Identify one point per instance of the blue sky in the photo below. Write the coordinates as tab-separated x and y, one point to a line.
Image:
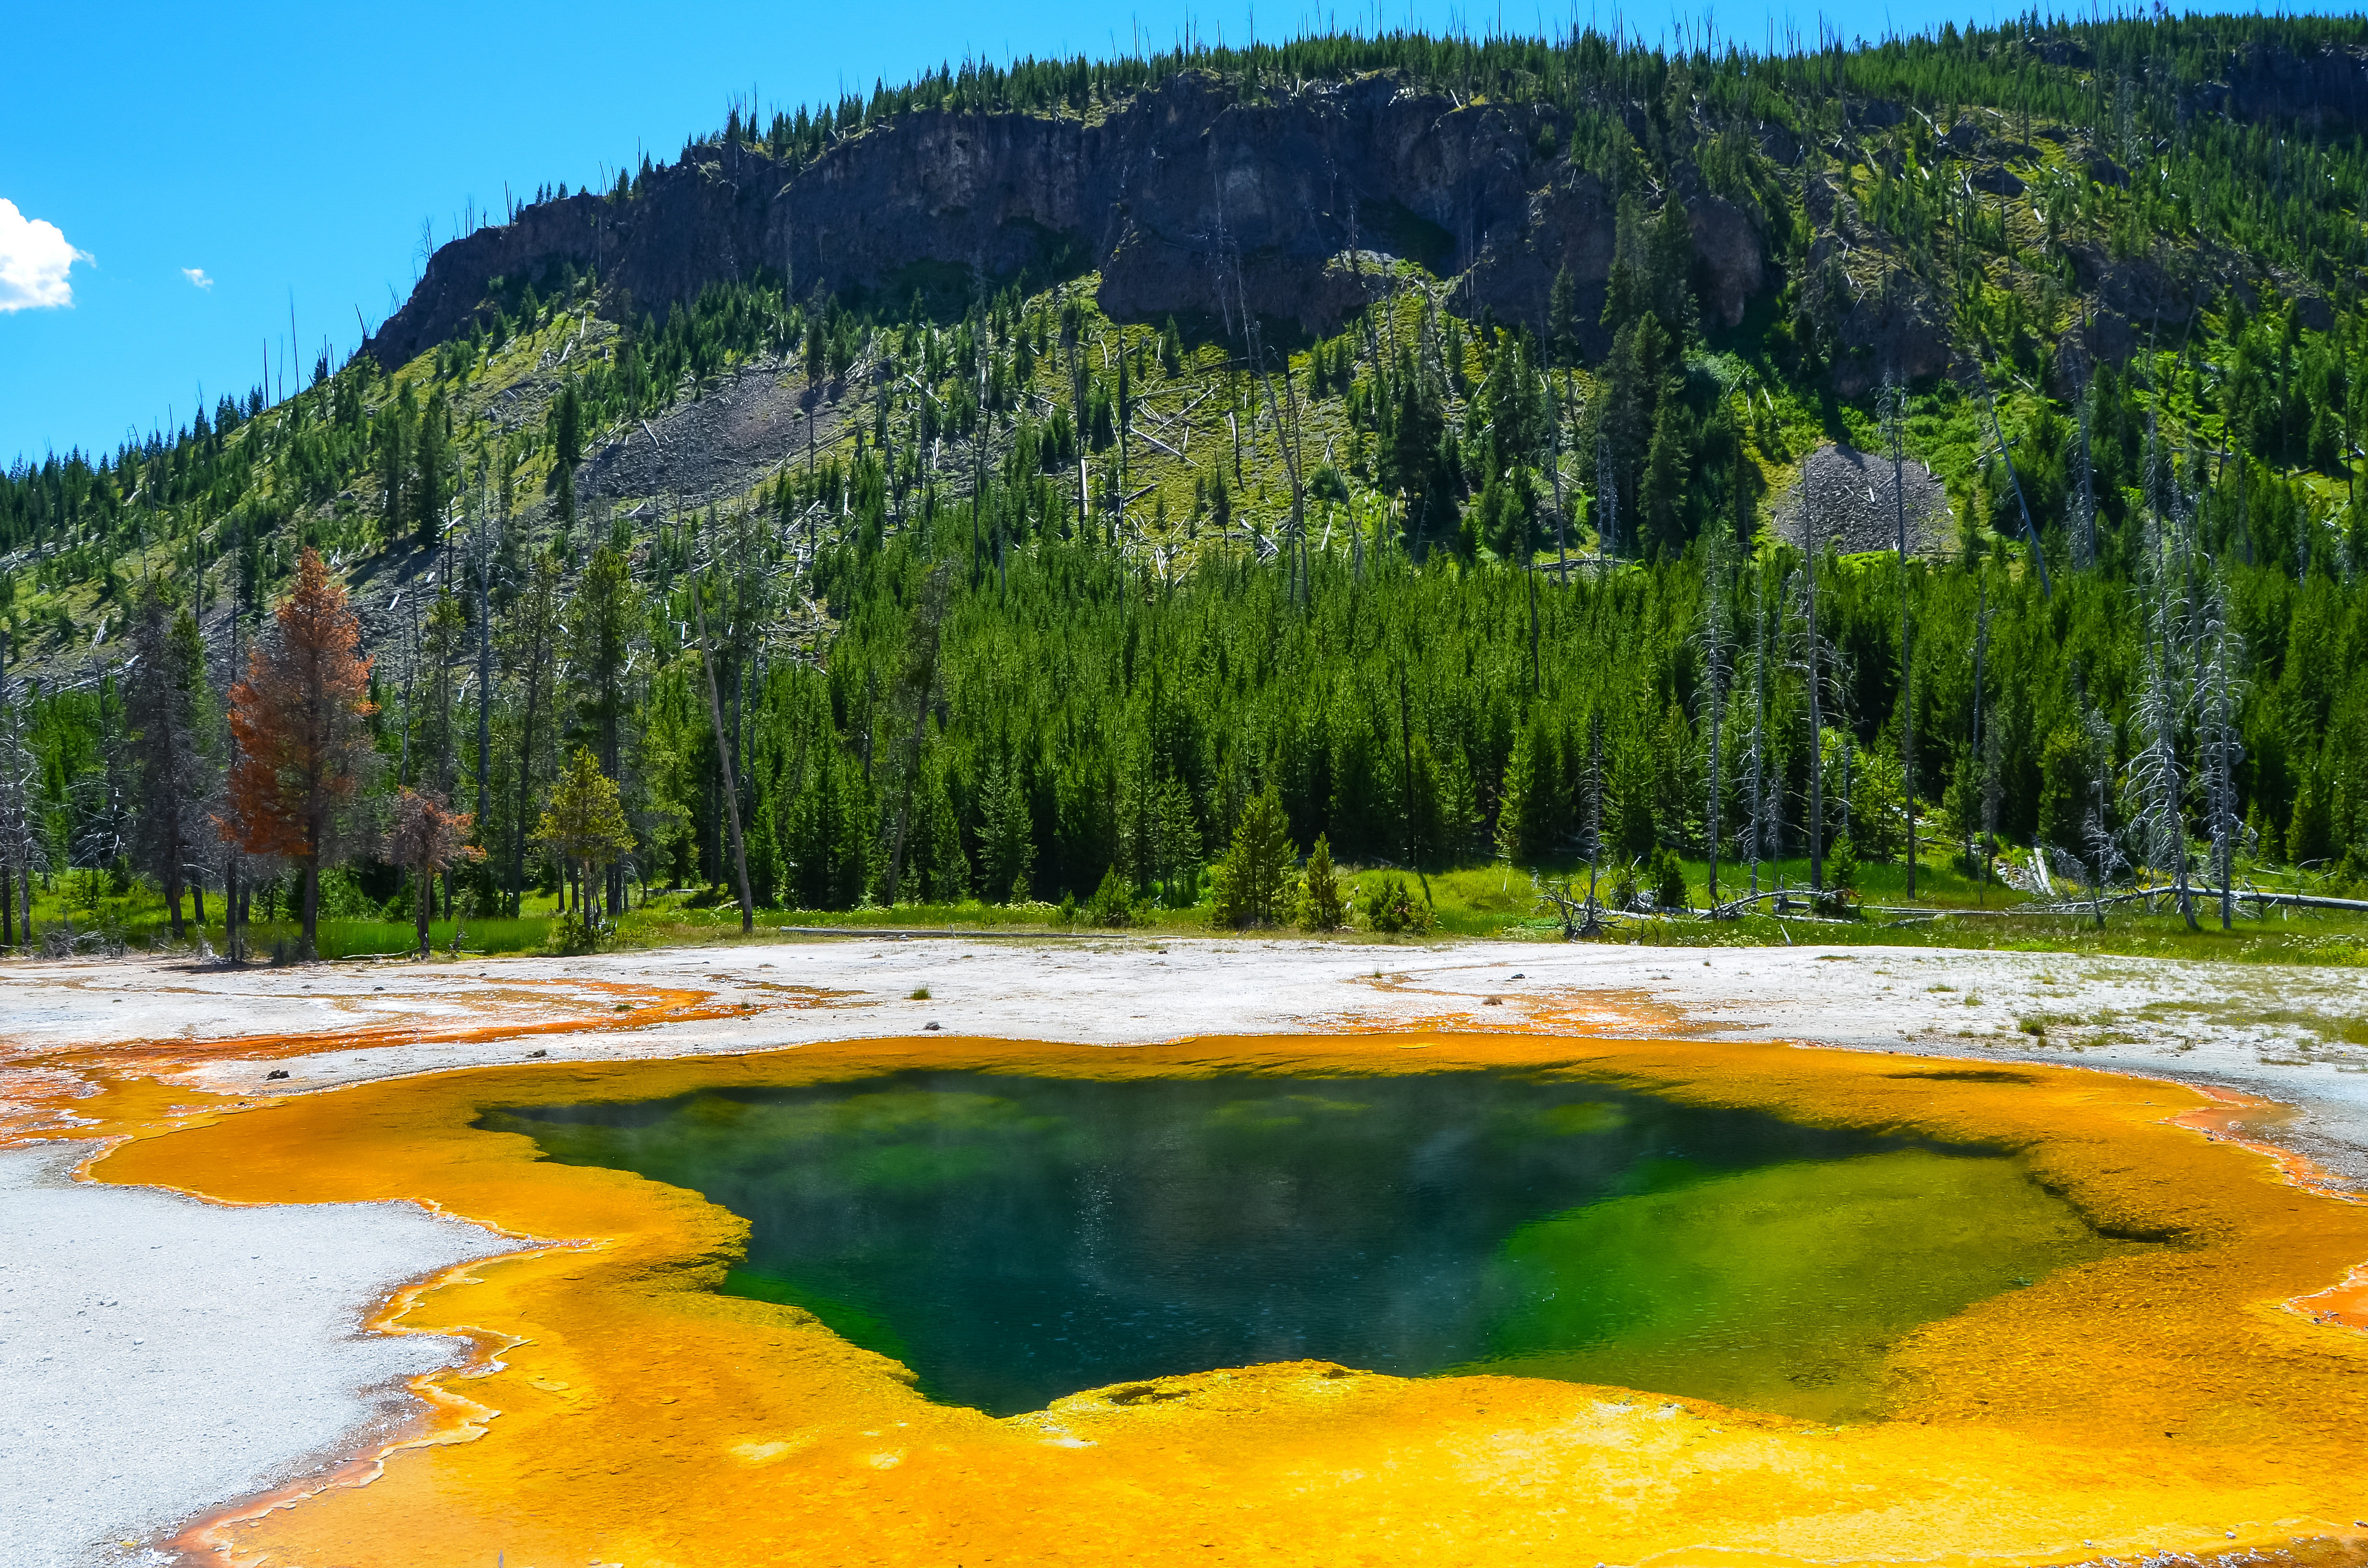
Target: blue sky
174	180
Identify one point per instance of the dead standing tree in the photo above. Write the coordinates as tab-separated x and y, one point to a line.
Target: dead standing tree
2030	528
1757	828
2097	840
1582	916
1814	666
2219	691
1286	437
1981	693
1607	507
534	622
1895	430
1594	819
481	551
428	838
2156	779
1718	655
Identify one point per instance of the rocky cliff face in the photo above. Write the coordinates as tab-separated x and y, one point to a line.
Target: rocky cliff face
1188	198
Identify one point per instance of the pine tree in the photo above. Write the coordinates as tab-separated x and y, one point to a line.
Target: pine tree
1669	271
600	625
1562	318
566	449
1628	290
1670	481
173	776
534	623
1412	463
1253	881
1323	905
583	825
939	864
1006	837
1175	844
393	433
432	455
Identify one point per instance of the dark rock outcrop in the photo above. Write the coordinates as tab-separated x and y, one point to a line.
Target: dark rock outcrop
1188	198
1997	179
1730	262
2144	288
2323	90
1898	327
1885	321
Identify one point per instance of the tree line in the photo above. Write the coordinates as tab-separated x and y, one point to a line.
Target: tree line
1061	721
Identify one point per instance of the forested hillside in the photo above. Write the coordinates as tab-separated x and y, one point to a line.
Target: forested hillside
1023	484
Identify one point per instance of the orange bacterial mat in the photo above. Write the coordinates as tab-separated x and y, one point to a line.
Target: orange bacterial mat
2181	1398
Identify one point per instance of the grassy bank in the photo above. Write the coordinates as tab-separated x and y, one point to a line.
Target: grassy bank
1493	901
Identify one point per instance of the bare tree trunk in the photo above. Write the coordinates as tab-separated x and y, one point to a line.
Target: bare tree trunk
1553	454
526	746
524	791
1594	818
2030	528
1981	656
723	760
234	892
1817	713
1715	585
1537	686
1758	764
1895	421
484	674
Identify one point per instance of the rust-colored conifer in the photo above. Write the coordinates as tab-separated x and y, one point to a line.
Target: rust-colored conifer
301	719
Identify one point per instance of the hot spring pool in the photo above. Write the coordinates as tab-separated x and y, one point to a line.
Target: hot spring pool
1014	1239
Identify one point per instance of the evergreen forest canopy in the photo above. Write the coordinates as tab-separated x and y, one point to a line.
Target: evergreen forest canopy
1042	605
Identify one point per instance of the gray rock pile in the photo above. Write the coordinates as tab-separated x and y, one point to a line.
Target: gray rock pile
1852	509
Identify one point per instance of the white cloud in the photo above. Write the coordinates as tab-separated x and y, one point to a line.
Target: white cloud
34	259
196	275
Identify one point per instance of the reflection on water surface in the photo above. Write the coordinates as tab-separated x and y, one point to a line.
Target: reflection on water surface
1016	1239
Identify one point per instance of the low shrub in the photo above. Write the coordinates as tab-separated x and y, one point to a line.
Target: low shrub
1391	909
1113	902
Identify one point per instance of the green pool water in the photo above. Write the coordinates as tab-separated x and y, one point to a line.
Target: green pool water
1016	1239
